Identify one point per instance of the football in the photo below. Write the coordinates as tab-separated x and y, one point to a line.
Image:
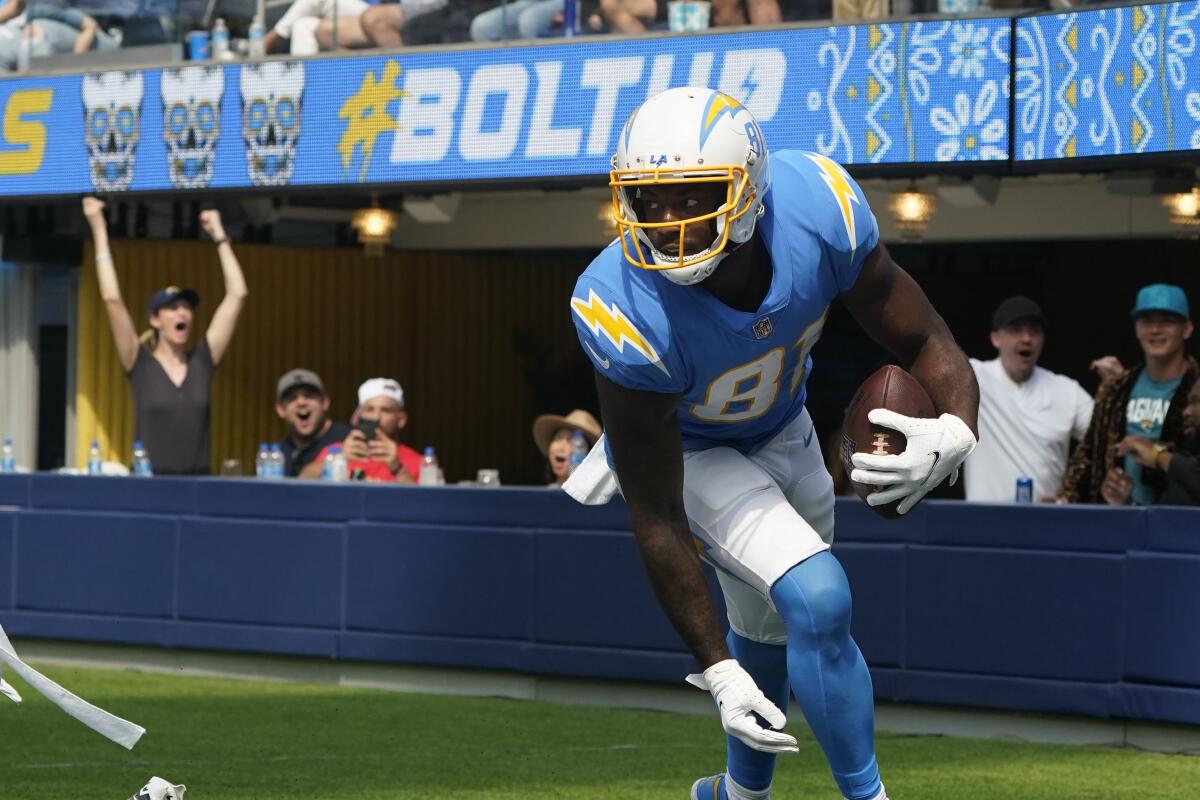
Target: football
891	388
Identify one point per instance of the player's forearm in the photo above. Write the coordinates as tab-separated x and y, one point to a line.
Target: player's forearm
678	581
942	368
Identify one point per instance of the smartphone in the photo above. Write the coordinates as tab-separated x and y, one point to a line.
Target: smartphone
368	426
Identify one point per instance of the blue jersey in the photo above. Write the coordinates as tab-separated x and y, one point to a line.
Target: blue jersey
742	376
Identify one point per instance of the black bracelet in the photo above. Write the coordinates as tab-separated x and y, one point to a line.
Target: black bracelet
219	242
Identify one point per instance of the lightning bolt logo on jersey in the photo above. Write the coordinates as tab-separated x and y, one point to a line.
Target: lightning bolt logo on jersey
739	388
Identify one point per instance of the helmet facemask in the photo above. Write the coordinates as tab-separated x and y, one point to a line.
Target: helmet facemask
629	215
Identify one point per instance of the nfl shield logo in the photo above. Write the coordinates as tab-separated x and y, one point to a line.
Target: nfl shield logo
762	328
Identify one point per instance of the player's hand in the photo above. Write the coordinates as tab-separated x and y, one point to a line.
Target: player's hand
383	449
1117	487
1108	367
354	446
739	699
935	450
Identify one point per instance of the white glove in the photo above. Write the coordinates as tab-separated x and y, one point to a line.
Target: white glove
739	699
936	448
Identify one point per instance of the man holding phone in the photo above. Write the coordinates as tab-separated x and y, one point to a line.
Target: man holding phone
373	448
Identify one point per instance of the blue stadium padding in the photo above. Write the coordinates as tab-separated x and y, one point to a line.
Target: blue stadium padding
307	500
856	522
503	506
162	494
591	589
1162	637
1026	608
883	681
605	662
876	573
96	563
992	691
260	572
8	557
1021	613
440	580
1172	530
90	628
14	490
433	650
1091	529
1162	703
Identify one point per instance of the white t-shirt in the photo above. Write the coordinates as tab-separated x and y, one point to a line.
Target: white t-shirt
322	9
1025	430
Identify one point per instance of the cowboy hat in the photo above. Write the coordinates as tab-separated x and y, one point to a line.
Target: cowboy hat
545	426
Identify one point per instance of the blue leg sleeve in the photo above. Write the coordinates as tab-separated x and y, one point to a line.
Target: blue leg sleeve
767	664
827	671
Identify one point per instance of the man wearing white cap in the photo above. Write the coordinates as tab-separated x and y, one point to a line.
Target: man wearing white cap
373	447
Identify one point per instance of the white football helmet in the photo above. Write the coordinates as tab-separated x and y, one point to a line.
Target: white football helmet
685	135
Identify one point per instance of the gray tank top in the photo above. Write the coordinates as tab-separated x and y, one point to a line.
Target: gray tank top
172	421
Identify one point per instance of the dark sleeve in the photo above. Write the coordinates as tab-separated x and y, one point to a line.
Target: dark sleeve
1184	472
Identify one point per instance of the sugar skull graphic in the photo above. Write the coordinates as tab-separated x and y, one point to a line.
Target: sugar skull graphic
191	99
112	103
271	99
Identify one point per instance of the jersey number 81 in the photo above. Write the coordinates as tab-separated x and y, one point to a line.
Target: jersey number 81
747	392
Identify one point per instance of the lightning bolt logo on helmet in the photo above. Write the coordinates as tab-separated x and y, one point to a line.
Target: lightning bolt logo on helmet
616	327
689	135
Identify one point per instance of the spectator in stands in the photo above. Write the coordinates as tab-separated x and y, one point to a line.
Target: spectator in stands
1146	401
301	402
851	10
629	16
518	19
552	435
55	27
1181	466
1027	415
308	26
171	384
373	448
12	23
383	25
729	13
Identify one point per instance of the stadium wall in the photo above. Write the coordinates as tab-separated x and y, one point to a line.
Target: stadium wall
1079	610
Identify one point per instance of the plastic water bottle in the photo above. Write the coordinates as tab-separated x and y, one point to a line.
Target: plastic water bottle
260	460
220	40
336	468
277	461
257	35
141	461
8	458
95	462
429	474
1024	490
579	449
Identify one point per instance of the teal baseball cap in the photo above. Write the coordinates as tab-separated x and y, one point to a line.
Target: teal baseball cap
1161	297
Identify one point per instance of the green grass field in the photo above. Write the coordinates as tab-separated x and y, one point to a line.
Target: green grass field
237	740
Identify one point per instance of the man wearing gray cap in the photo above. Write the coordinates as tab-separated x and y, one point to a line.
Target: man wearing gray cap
1146	402
1027	415
303	405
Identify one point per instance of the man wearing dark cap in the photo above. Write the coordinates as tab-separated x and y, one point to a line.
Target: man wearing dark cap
1146	402
303	405
1027	415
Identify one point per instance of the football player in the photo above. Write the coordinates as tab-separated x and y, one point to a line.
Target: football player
699	320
